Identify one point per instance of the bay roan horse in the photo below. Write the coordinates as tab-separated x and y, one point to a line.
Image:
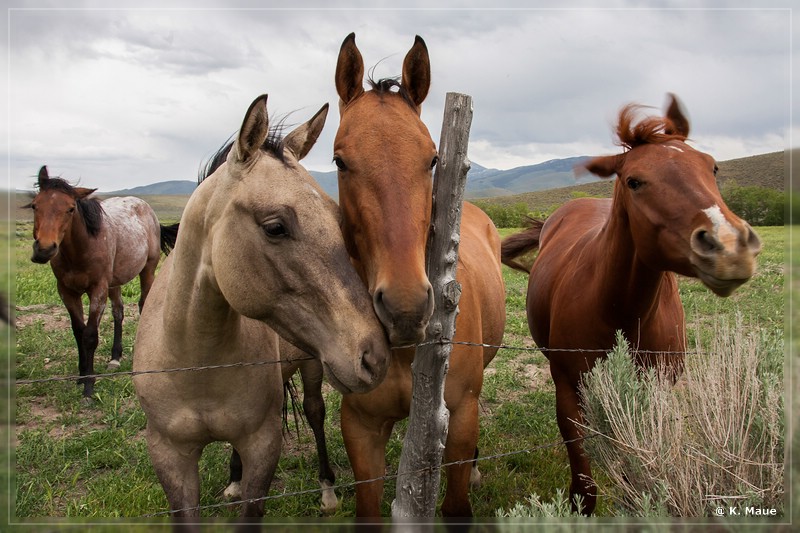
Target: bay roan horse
260	254
606	265
385	158
95	248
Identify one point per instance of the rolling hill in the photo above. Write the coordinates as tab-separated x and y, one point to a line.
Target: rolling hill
538	186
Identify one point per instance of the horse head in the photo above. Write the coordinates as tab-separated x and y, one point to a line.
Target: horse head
667	192
385	157
54	209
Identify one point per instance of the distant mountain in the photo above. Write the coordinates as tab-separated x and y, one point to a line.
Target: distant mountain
160	188
328	181
765	170
489	182
485	182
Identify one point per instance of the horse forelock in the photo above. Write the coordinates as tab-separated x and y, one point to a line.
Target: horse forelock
649	130
385	86
272	145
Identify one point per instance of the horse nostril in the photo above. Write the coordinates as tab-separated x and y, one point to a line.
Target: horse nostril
373	363
705	243
753	241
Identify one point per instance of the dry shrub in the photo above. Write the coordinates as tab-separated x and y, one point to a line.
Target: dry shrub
715	440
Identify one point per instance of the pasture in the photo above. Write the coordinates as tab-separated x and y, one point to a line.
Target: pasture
91	463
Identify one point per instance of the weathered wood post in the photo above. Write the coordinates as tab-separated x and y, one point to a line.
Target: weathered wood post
427	429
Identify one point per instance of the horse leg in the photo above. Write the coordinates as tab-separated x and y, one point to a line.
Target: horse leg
259	453
118	312
462	438
234	489
72	301
365	439
97	305
314	408
568	409
177	471
146	278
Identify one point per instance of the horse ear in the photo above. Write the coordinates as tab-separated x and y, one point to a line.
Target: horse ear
417	71
678	122
302	139
254	130
603	166
43	176
349	71
82	192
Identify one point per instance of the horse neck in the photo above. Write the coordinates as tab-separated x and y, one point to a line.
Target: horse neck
195	308
628	284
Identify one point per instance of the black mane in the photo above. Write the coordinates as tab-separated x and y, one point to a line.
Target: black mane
272	145
89	207
388	85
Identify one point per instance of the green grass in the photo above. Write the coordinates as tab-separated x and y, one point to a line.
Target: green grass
91	462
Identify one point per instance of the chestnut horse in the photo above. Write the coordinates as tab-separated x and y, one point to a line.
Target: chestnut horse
606	265
95	248
260	254
385	158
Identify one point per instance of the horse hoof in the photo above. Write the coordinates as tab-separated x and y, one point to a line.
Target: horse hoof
87	401
329	501
112	365
233	492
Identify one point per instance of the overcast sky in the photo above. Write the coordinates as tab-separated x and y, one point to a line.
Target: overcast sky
119	97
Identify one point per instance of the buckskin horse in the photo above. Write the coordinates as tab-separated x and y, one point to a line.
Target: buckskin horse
385	156
608	264
260	254
95	248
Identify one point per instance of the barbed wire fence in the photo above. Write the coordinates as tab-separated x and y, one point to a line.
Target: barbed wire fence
343	486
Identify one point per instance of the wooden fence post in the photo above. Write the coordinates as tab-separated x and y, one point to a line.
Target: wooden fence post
424	441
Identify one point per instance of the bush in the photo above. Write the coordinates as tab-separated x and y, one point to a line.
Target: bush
715	440
757	205
505	216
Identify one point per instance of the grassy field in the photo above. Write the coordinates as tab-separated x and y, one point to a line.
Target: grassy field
91	462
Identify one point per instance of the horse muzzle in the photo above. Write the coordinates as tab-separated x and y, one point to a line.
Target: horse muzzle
725	260
406	316
43	254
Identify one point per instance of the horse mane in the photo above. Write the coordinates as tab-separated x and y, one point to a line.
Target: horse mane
89	207
650	130
272	145
388	85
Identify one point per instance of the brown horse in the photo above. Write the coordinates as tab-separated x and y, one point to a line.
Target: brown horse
95	248
260	254
606	265
385	156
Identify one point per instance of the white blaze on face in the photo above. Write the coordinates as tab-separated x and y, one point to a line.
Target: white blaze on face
723	230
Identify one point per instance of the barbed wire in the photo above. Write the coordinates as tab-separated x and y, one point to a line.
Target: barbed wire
241	364
387	477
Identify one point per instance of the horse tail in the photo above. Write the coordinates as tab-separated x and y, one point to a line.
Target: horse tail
169	235
291	399
521	243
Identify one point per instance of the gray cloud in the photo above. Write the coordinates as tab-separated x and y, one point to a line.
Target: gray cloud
132	96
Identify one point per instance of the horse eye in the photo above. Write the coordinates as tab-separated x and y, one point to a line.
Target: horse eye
339	163
275	229
633	184
435	161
